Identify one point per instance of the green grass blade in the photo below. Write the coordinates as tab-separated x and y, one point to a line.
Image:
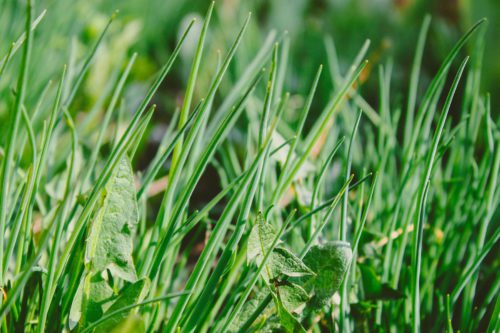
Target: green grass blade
13	133
415	73
424	187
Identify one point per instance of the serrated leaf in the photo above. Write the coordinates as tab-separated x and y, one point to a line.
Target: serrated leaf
330	262
130	294
292	296
109	245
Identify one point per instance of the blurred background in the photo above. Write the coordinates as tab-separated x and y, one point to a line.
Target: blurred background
152	27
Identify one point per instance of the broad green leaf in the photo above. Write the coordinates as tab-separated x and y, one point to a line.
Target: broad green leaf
109	245
75	312
260	240
130	294
282	261
101	296
286	263
249	308
102	301
99	299
330	262
292	296
288	322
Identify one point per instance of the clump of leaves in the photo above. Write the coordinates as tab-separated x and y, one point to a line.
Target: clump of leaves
330	262
294	283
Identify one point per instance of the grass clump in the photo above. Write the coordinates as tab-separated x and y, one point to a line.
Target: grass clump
349	217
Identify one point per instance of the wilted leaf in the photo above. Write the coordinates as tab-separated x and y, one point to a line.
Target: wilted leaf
329	261
109	245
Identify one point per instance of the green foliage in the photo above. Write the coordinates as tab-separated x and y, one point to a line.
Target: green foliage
93	297
291	295
132	293
110	236
330	262
285	262
108	251
260	240
288	322
374	289
215	209
281	261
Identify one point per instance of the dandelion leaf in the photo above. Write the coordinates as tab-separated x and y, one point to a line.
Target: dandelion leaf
131	294
99	298
110	241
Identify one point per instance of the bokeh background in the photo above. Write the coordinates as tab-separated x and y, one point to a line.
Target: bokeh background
152	27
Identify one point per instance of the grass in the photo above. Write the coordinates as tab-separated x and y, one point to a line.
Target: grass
344	216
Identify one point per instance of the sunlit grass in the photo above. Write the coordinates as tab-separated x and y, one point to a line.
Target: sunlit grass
354	217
